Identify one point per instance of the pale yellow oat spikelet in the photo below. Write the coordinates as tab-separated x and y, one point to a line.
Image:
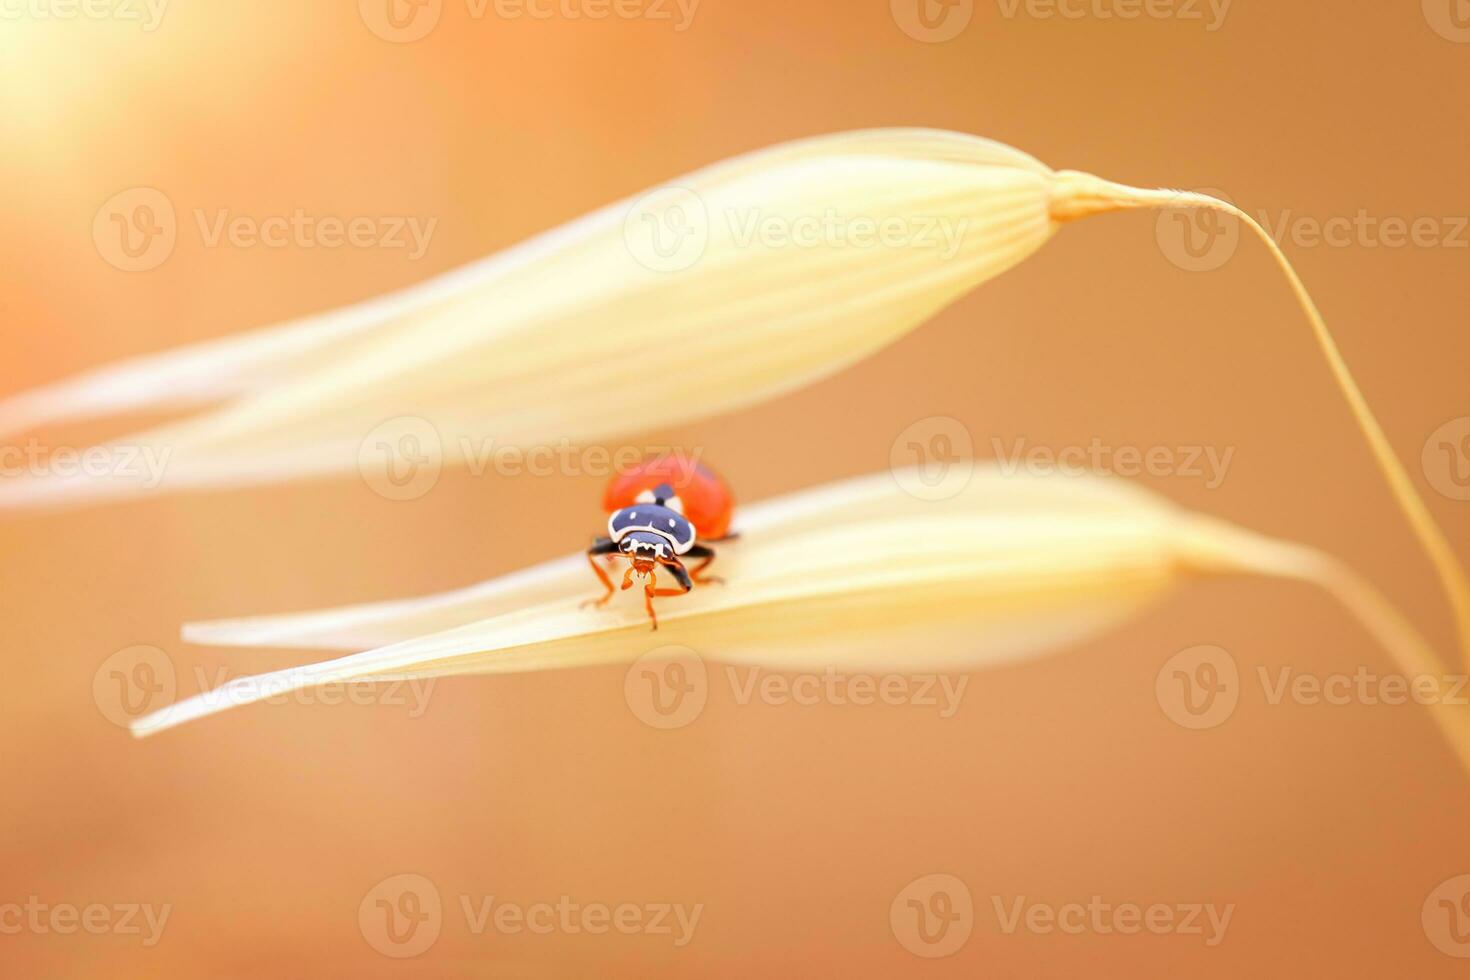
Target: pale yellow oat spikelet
1014	502
550	340
856	576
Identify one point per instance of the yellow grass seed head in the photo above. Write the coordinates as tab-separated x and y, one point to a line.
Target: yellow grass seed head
854	576
732	285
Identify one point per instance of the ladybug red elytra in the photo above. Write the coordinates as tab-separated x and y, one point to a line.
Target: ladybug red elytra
707	501
664	509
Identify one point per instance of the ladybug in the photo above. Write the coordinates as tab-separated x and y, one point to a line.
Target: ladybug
662	510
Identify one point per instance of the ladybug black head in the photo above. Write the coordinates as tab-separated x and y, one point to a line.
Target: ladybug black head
645	549
653	525
646	544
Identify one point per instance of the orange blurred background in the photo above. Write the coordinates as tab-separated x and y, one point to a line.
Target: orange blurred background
795	828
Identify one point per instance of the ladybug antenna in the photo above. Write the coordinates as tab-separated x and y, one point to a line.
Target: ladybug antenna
662	494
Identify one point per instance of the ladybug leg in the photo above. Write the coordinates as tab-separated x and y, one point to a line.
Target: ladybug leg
708	554
603	546
651	590
681	575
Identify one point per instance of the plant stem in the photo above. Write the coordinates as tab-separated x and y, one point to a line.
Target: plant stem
1218	546
1080	195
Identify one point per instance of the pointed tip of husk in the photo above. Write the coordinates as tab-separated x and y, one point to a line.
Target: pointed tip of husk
1076	194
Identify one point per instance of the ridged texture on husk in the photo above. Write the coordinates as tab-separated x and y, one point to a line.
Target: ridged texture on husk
569	336
858	575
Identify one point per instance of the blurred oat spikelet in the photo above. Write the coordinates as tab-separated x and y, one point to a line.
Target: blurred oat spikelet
547	340
857	575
